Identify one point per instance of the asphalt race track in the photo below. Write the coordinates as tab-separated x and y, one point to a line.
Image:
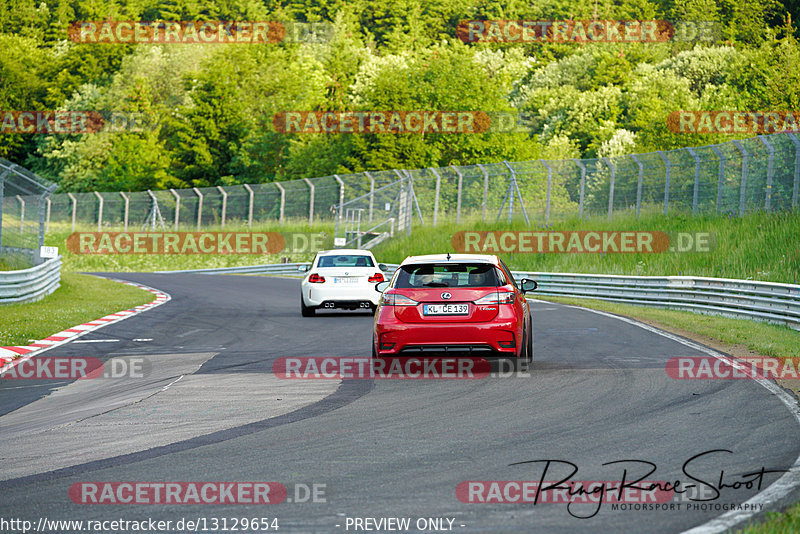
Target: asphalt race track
208	408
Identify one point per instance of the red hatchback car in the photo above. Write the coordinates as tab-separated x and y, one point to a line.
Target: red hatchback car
459	304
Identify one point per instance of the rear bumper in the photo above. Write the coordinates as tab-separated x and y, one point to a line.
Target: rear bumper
482	339
316	295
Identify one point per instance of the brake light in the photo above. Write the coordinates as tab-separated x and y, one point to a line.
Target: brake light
316	279
377	277
498	297
393	299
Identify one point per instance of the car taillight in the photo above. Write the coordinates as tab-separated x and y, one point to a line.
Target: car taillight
377	277
393	299
498	297
316	279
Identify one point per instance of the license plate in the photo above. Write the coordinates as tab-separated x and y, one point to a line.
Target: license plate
345	280
445	309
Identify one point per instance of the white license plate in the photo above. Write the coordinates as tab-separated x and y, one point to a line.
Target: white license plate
345	280
445	309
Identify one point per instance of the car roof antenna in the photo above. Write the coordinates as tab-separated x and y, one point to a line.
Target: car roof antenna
448	255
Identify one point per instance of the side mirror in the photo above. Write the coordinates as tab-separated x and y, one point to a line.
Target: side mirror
528	285
383	267
380	287
304	268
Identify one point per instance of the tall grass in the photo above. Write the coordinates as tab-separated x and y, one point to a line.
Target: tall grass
758	246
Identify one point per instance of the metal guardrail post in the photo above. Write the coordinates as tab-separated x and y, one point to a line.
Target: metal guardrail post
460	187
99	211
721	178
743	188
796	186
224	204
371	193
770	163
199	207
74	208
611	186
21	214
667	176
127	206
549	188
281	207
639	184
43	207
696	189
310	201
582	167
250	206
177	207
436	196
485	191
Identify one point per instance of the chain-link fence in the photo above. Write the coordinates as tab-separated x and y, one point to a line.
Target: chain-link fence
761	173
23	212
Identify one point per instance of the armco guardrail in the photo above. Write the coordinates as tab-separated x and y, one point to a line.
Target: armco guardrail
744	299
763	301
32	284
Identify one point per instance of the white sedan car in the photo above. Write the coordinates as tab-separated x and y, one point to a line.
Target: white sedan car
343	278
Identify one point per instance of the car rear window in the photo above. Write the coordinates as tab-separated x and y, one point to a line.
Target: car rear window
347	260
447	275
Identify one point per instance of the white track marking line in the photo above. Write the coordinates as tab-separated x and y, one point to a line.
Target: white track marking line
778	489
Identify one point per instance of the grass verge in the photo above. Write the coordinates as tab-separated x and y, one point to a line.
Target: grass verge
81	298
737	337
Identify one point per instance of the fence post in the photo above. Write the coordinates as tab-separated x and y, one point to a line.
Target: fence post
549	186
199	207
99	210
667	176
47	217
582	167
177	207
310	202
371	193
611	186
485	190
436	196
282	206
341	195
74	208
770	168
460	187
21	213
638	184
127	205
721	178
2	188
743	188
796	187
43	198
696	179
224	204
250	206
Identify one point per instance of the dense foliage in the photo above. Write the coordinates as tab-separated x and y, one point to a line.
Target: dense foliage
209	108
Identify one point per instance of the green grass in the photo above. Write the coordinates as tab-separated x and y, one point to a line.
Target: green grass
168	262
776	523
81	298
757	246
